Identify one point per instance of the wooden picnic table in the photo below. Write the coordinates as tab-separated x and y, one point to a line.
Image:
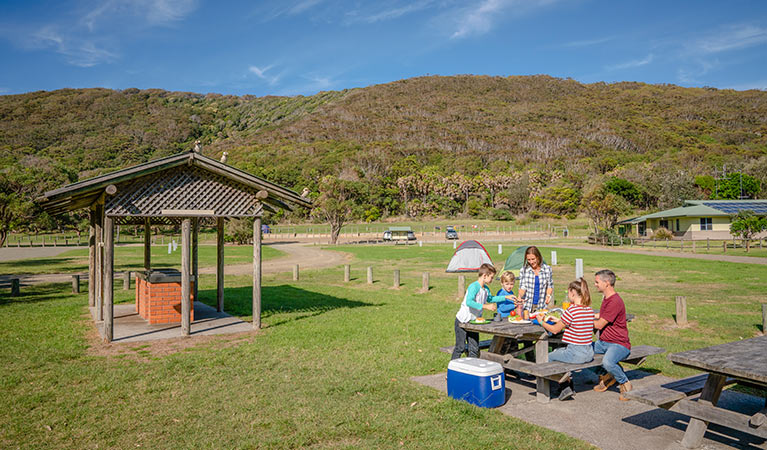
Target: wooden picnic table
744	361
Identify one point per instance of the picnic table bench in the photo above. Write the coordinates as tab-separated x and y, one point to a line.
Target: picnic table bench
743	362
505	350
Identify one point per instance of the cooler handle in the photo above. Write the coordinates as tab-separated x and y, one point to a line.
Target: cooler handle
495	382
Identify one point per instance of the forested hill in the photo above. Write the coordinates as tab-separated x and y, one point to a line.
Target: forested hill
544	134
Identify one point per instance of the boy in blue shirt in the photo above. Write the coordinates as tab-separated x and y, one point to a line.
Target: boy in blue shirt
476	299
505	307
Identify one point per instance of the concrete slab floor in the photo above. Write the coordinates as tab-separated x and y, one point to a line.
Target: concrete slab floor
130	327
602	420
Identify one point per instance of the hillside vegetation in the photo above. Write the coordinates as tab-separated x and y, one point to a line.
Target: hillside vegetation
475	145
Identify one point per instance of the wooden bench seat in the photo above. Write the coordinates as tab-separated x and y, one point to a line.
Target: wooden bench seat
557	371
668	394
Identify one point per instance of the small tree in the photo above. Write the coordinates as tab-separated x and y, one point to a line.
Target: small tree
746	225
335	203
604	208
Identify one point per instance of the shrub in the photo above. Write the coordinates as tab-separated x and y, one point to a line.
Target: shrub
501	214
661	234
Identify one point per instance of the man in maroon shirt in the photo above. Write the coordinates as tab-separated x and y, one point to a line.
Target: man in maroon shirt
613	339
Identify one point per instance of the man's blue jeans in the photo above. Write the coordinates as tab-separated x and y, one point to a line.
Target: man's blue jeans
613	353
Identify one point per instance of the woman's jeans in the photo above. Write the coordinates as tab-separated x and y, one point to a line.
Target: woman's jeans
573	354
462	338
613	353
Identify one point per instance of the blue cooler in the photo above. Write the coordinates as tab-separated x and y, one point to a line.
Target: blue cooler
476	381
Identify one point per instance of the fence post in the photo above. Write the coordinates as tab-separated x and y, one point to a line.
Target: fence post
764	317
681	310
724	246
454	243
14	287
461	285
553	258
370	275
295	272
126	280
396	279
708	245
347	273
666	243
425	282
578	268
693	245
75	284
681	244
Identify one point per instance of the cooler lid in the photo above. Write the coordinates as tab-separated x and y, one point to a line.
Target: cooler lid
475	366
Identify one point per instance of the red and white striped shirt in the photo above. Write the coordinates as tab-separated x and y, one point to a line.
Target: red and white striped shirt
580	325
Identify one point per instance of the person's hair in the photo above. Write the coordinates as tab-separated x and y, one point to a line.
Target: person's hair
486	269
507	276
533	250
581	287
607	275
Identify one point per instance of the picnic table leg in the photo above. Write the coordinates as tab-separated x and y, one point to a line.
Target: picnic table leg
693	437
542	384
497	344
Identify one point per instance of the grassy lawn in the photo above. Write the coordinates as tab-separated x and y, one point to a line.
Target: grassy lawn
132	258
331	367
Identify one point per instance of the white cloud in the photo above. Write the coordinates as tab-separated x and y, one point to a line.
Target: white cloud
261	73
588	42
152	12
77	51
394	13
633	64
481	17
732	37
303	6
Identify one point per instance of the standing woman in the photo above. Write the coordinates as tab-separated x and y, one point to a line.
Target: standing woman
536	284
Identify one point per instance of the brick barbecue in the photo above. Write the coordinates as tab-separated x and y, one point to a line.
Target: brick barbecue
158	295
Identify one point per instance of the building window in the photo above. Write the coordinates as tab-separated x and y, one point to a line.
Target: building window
664	224
677	224
705	224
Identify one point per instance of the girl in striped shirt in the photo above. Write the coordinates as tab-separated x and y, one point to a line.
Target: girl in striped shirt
578	323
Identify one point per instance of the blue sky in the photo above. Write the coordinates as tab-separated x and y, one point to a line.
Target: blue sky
291	47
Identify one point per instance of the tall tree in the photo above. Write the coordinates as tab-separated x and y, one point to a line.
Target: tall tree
604	208
335	203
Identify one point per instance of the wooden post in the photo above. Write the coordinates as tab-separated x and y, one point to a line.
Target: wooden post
109	253
693	436
220	264
461	285
257	273
764	318
681	244
425	282
295	272
396	279
186	268
553	258
666	243
15	287
708	244
693	245
578	268
681	310
370	275
126	280
500	249
75	284
195	259
347	273
99	262
724	246
542	384
92	259
147	245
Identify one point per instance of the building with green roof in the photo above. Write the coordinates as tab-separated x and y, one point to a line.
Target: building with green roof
696	219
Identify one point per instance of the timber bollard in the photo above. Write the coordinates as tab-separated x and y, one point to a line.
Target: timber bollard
553	258
578	268
370	275
396	279
347	273
500	249
425	282
724	246
126	280
681	310
14	287
461	285
75	284
764	318
295	272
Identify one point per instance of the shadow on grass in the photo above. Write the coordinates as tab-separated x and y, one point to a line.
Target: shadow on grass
16	267
36	294
278	300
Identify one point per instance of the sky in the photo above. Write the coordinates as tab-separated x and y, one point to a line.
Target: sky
301	47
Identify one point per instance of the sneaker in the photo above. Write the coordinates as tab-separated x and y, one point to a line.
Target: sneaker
567	393
624	388
605	381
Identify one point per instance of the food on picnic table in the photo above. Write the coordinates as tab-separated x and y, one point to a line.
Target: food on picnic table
479	319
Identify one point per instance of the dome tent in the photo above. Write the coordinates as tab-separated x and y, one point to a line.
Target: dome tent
515	261
468	257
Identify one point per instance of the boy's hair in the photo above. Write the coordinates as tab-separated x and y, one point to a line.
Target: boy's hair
486	269
581	287
607	275
533	250
507	276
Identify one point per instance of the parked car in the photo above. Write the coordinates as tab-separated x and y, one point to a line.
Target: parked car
450	233
387	235
410	236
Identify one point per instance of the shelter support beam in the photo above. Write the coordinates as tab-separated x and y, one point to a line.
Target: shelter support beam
147	244
195	259
220	264
186	302
92	259
99	270
257	273
109	253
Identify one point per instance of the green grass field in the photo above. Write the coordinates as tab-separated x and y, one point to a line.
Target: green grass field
331	368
